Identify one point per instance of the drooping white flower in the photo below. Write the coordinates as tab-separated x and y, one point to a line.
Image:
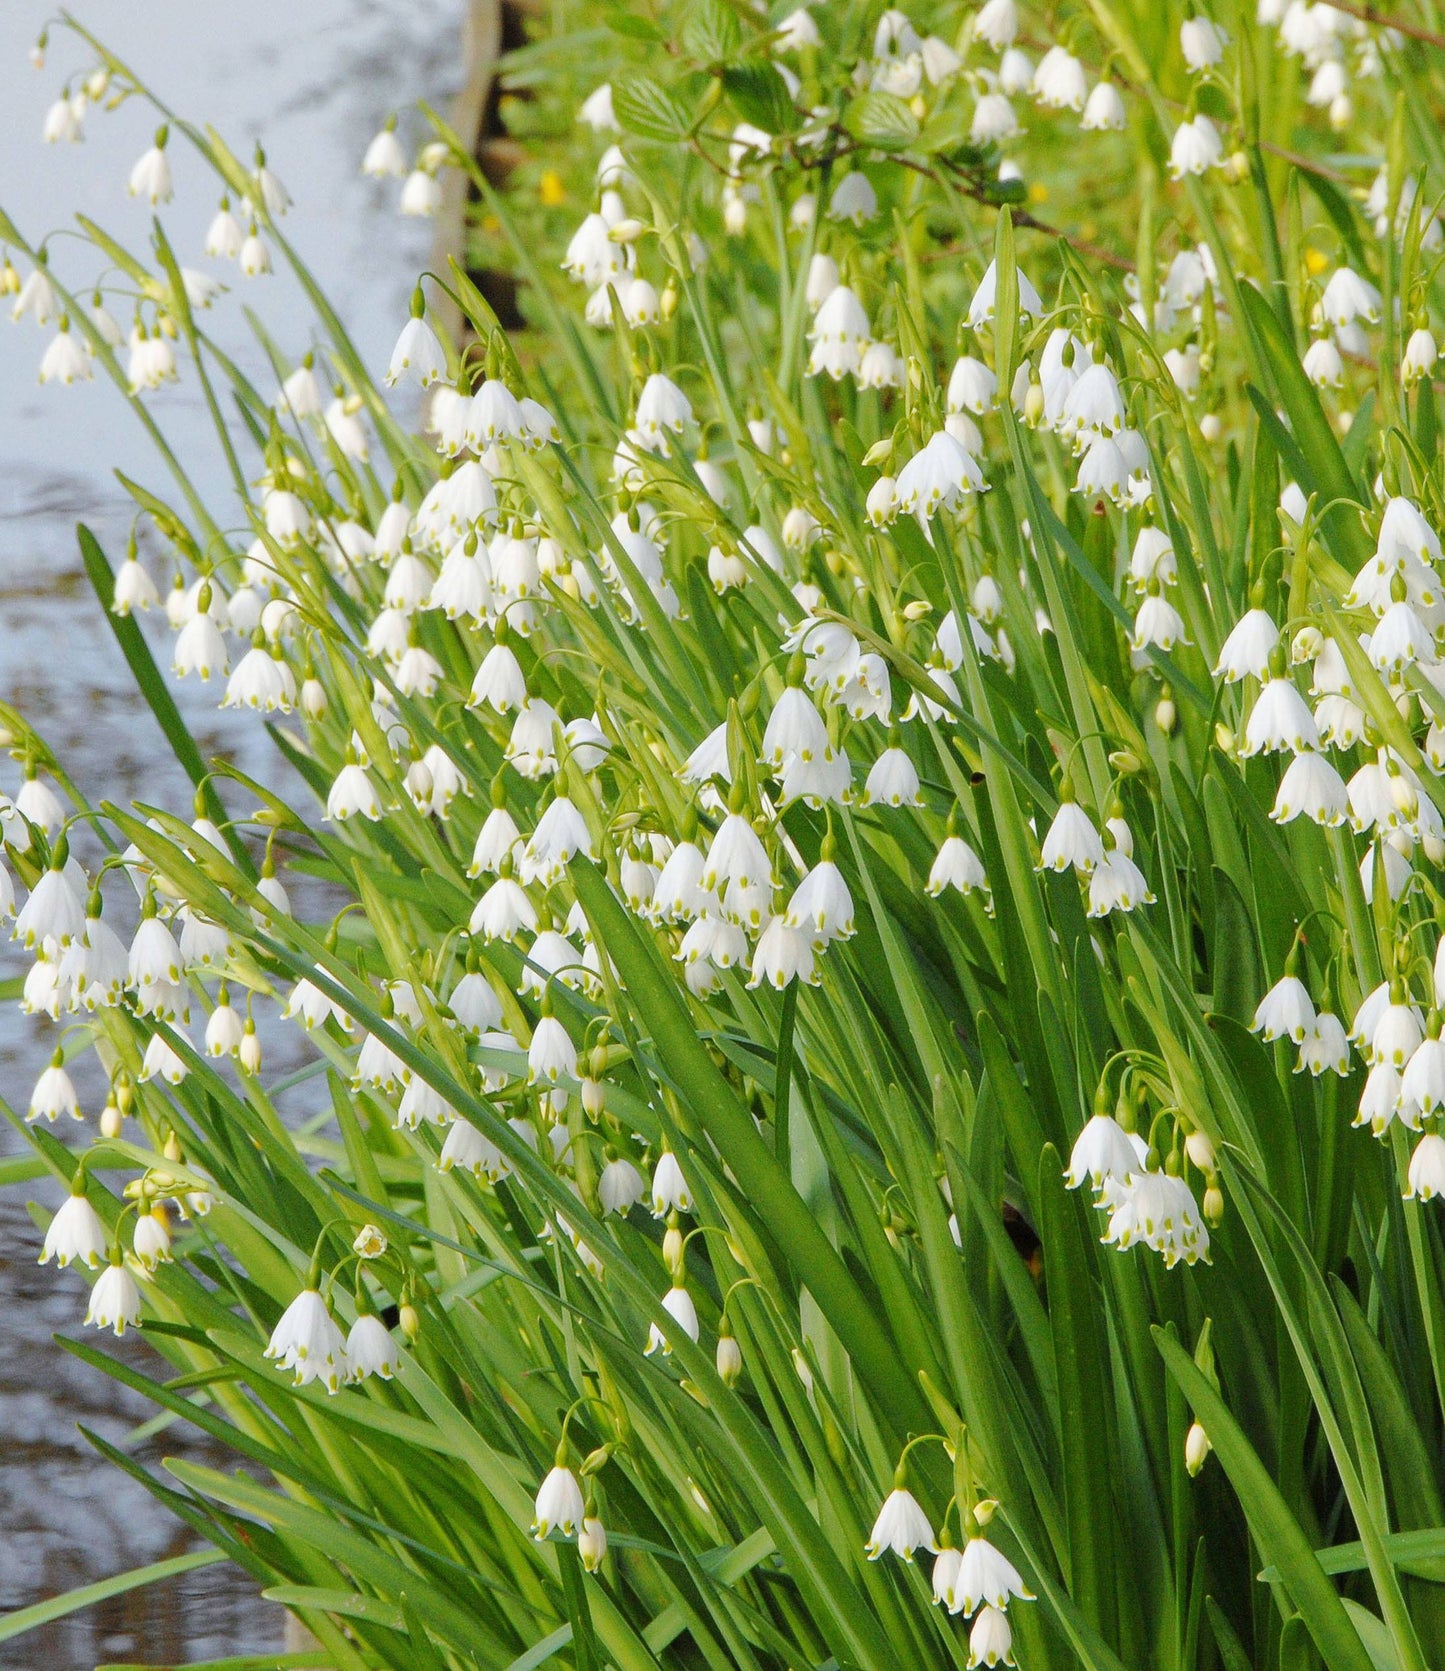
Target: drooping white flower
560	834
1380	1099
307	1341
990	1642
993	120
662	408
254	257
1104	110
972	386
892	780
620	1186
1285	1011
669	1192
1103	1149
151	1240
1311	786
1246	651
1425	1178
467	1148
1397	1033
1279	720
956	865
1400	638
901	1526
353	794
65	359
840	333
1348	297
986	1575
1325	1049
938	477
1159	1210
1117	884
54	1093
821	904
115	1301
596	110
418	355
150	178
1157	622
560	1504
736	854
54	911
370	1349
1059	81
1196	147
421	194
997	23
1202	43
75	1232
854	199
981	308
783	954
551	1055
1420	356
1323	364
679	1306
1071	839
36	297
384	158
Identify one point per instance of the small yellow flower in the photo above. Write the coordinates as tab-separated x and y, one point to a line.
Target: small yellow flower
1038	192
1316	261
551	190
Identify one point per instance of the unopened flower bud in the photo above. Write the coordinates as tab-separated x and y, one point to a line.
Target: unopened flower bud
409	1320
1166	715
1210	427
985	1509
594	1097
110	1121
1213	1206
672	1248
1034	405
729	1359
1196	1448
1200	1151
591	1543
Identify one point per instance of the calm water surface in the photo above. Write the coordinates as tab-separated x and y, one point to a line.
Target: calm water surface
313	80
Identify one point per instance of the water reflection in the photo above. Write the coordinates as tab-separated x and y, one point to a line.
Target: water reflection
316	80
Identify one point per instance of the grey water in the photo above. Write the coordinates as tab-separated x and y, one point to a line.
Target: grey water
313	81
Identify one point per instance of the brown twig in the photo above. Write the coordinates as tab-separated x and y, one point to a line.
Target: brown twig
1380	20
